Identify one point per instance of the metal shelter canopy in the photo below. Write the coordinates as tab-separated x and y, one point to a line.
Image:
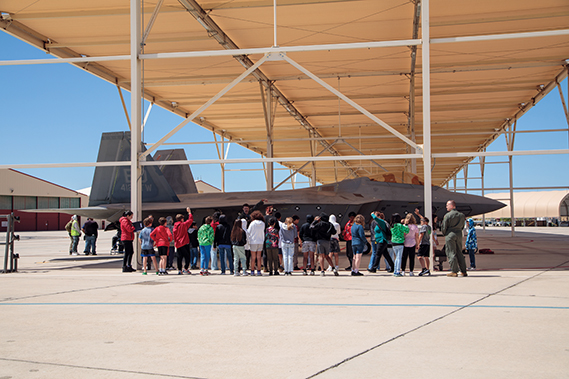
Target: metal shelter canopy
478	85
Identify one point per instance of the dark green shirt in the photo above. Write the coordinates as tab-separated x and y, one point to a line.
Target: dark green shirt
453	222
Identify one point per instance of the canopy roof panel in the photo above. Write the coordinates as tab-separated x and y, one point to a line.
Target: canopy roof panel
476	86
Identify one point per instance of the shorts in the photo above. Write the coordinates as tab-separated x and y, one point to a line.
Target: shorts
308	246
323	247
357	249
423	250
163	250
148	253
256	246
334	245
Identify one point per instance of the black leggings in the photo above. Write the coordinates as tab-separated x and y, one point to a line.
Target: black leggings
382	251
408	252
349	251
183	253
128	252
272	258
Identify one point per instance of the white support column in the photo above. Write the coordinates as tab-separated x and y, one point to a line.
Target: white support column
482	168
313	176
465	173
426	73
136	117
510	136
269	113
454	183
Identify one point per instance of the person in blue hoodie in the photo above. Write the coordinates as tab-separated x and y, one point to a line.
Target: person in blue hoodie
471	244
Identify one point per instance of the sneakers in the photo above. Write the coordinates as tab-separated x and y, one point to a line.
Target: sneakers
463	274
144	273
371	270
187	272
304	272
329	269
452	274
245	273
398	274
312	272
411	273
471	268
202	273
354	273
424	272
349	268
336	272
322	273
276	272
74	254
236	274
259	273
180	272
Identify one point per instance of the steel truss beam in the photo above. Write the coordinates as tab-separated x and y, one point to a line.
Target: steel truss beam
227	43
291	159
284	49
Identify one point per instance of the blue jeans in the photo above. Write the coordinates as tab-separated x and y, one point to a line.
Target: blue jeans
213	258
205	251
90	244
194	255
398	249
225	256
74	243
472	259
288	253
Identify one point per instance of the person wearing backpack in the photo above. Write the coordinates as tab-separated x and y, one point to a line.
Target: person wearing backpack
382	234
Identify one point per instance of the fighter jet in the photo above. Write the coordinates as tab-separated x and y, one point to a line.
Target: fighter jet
168	190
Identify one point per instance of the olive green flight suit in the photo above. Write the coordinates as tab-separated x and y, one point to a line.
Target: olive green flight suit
452	226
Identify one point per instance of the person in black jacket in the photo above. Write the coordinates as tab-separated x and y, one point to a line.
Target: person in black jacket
222	241
247	210
307	244
194	246
239	240
322	232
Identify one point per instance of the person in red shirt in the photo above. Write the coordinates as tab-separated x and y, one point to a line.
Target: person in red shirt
347	235
162	237
182	241
127	236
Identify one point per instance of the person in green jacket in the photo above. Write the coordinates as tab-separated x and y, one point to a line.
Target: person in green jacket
398	232
452	226
205	239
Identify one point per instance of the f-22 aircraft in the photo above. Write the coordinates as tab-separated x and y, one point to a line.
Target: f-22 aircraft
168	190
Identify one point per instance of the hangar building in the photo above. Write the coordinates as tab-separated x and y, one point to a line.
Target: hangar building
19	191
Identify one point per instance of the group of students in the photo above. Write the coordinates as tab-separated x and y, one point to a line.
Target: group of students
241	246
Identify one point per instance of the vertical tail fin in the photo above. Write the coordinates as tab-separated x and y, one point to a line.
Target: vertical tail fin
180	176
112	184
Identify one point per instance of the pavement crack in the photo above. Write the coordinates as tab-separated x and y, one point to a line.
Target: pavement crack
432	321
100	368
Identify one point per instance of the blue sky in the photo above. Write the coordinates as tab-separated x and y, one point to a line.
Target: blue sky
56	113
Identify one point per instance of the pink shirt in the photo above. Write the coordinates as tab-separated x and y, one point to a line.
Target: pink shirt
410	238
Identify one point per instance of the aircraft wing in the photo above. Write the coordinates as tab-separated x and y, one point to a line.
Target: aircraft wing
102	213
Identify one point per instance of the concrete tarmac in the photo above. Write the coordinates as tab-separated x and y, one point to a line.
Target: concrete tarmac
80	317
